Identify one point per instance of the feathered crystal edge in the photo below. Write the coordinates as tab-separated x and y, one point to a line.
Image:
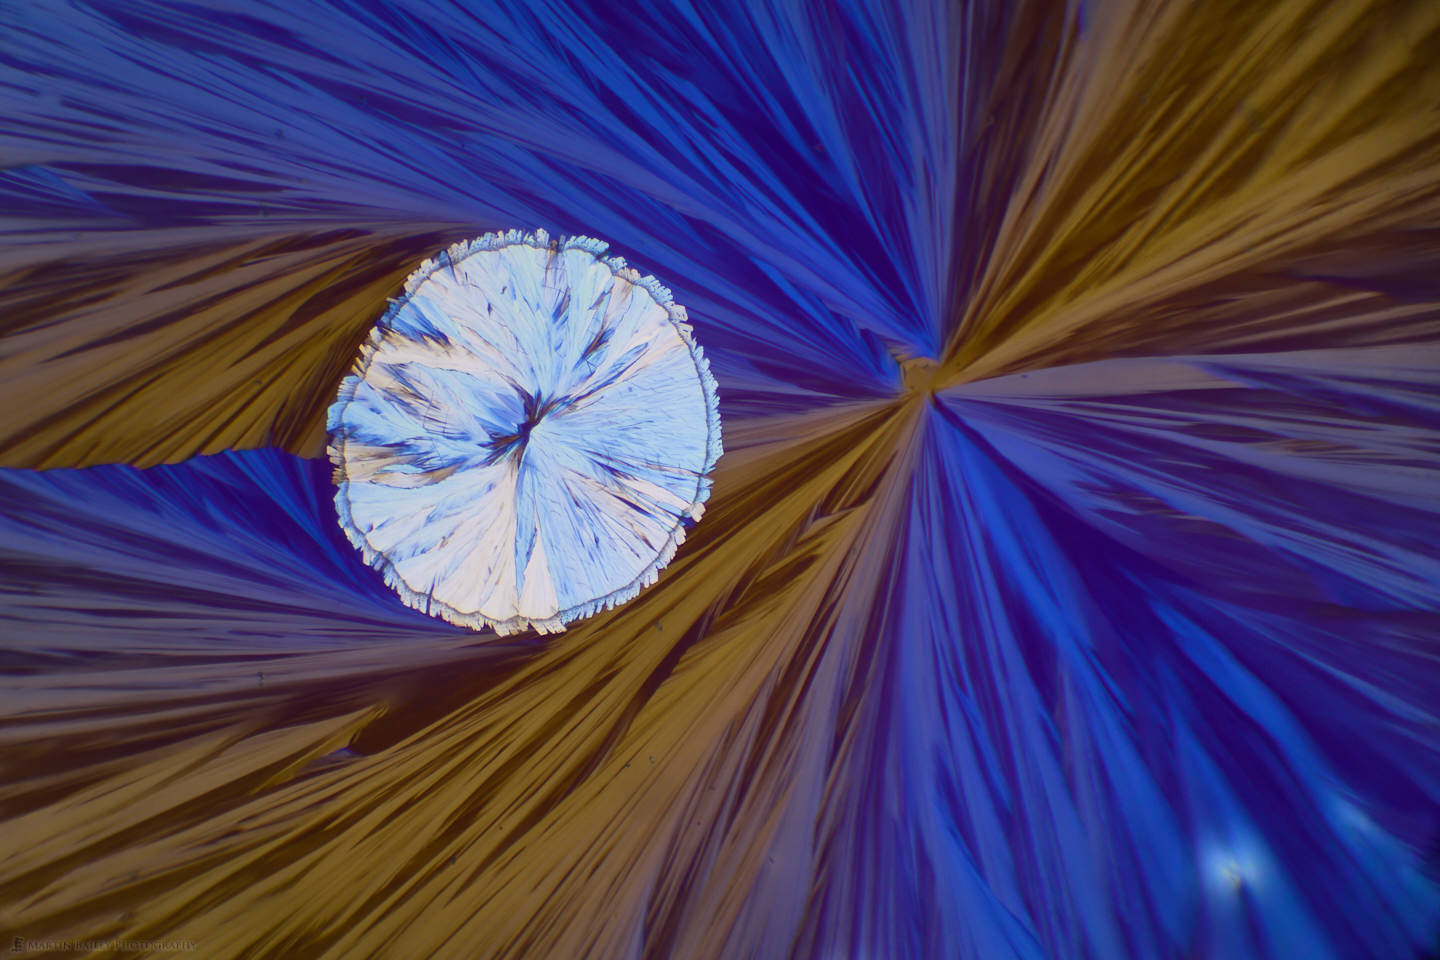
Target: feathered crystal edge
455	253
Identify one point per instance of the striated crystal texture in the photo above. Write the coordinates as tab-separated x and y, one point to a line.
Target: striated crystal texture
1068	589
527	434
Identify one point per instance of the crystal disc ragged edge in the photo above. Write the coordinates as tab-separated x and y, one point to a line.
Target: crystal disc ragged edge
527	434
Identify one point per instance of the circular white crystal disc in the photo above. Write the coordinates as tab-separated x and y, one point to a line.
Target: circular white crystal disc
526	436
